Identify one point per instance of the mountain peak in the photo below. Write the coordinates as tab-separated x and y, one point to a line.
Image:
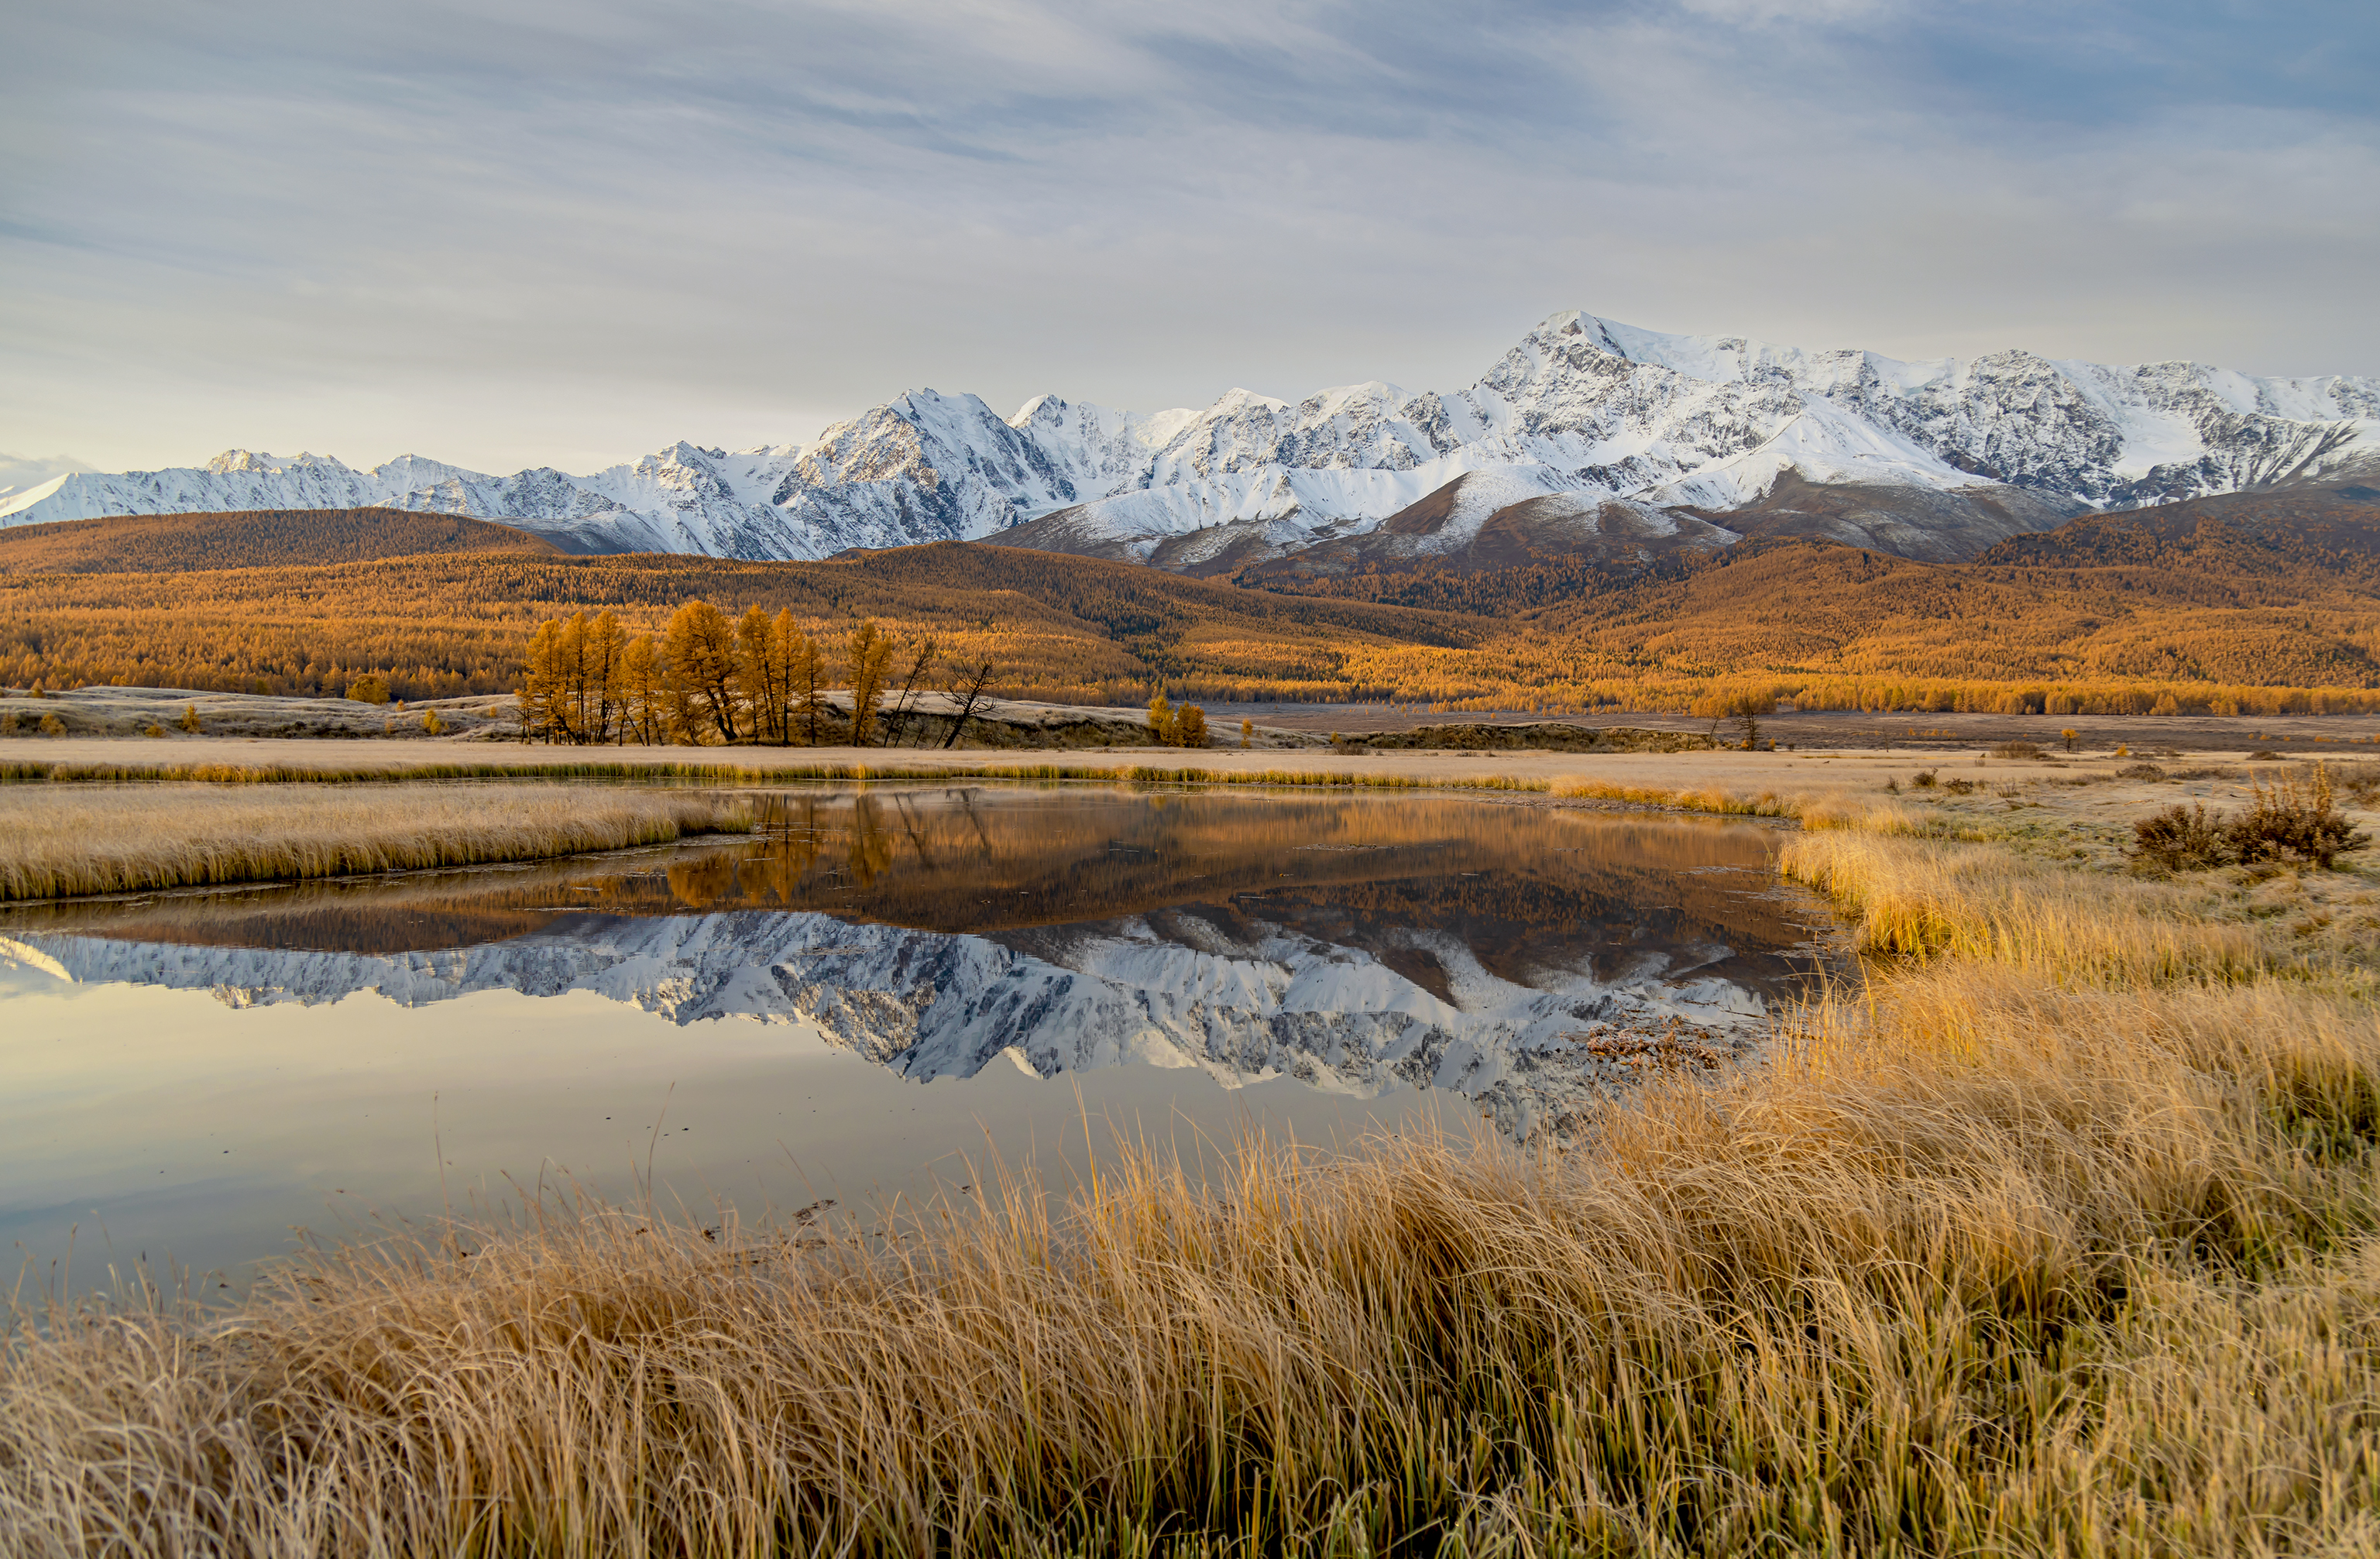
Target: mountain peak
1583	410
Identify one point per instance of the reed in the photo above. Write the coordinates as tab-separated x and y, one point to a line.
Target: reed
2009	1252
60	842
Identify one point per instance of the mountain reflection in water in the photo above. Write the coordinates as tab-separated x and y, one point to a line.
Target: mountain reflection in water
197	1073
1357	943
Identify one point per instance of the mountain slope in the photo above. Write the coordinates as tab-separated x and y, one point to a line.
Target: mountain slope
255	539
1933	459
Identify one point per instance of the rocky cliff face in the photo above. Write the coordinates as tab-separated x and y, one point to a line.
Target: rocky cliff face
1945	456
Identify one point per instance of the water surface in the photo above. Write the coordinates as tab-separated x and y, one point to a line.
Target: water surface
875	996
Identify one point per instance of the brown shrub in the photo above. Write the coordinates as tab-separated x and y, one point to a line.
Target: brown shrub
2183	838
2292	822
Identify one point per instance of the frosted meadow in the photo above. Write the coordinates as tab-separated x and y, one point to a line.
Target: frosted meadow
2050	1224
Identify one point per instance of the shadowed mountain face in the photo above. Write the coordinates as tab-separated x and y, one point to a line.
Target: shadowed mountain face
1361	945
2326	529
1932	525
260	539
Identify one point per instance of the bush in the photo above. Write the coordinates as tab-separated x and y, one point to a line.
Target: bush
53	726
2287	821
190	720
432	723
367	689
2017	750
1922	779
2183	839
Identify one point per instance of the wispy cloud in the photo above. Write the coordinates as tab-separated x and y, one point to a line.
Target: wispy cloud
19	472
526	232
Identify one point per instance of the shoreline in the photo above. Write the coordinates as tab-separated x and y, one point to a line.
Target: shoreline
2084	1151
2086	803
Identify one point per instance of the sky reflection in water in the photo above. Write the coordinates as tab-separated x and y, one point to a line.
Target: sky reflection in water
894	975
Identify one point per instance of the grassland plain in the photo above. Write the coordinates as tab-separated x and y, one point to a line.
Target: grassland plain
2061	1235
60	840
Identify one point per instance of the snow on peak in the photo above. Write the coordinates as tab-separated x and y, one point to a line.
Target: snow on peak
1580	404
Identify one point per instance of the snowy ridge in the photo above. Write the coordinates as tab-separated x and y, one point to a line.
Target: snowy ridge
1581	407
931	1005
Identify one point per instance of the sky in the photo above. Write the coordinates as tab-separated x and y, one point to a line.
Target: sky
508	233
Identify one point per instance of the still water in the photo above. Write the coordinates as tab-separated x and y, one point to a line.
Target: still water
881	995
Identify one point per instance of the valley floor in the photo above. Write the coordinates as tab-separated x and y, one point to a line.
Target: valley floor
2062	1234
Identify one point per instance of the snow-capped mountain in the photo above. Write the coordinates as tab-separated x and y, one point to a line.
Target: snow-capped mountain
1619	434
933	1005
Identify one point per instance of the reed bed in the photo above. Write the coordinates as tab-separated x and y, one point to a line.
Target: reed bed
398	773
2015	1251
734	773
1326	779
1977	902
60	842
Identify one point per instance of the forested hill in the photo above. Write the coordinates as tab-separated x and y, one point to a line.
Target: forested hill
2326	537
173	544
2267	548
1067	628
2198	605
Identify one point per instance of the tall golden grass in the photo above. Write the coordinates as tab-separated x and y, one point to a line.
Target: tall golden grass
1976	902
2008	1253
55	842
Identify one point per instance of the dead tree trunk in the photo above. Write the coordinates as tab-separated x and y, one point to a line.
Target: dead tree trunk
966	705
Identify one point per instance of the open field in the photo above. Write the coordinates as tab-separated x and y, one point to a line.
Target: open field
66	839
1801	769
160	714
1879	730
2063	1236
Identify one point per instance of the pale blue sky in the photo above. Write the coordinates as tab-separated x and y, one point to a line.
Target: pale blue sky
528	233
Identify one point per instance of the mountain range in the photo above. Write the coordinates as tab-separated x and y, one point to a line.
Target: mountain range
1587	437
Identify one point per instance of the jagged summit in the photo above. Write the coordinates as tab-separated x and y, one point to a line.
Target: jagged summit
1685	434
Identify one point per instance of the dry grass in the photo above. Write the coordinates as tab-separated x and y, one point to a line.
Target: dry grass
1978	902
2029	1248
60	841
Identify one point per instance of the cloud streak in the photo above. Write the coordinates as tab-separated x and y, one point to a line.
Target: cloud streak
533	233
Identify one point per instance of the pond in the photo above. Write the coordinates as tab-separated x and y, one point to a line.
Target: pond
885	992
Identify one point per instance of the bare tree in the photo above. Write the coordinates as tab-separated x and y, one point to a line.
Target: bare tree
973	683
897	722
